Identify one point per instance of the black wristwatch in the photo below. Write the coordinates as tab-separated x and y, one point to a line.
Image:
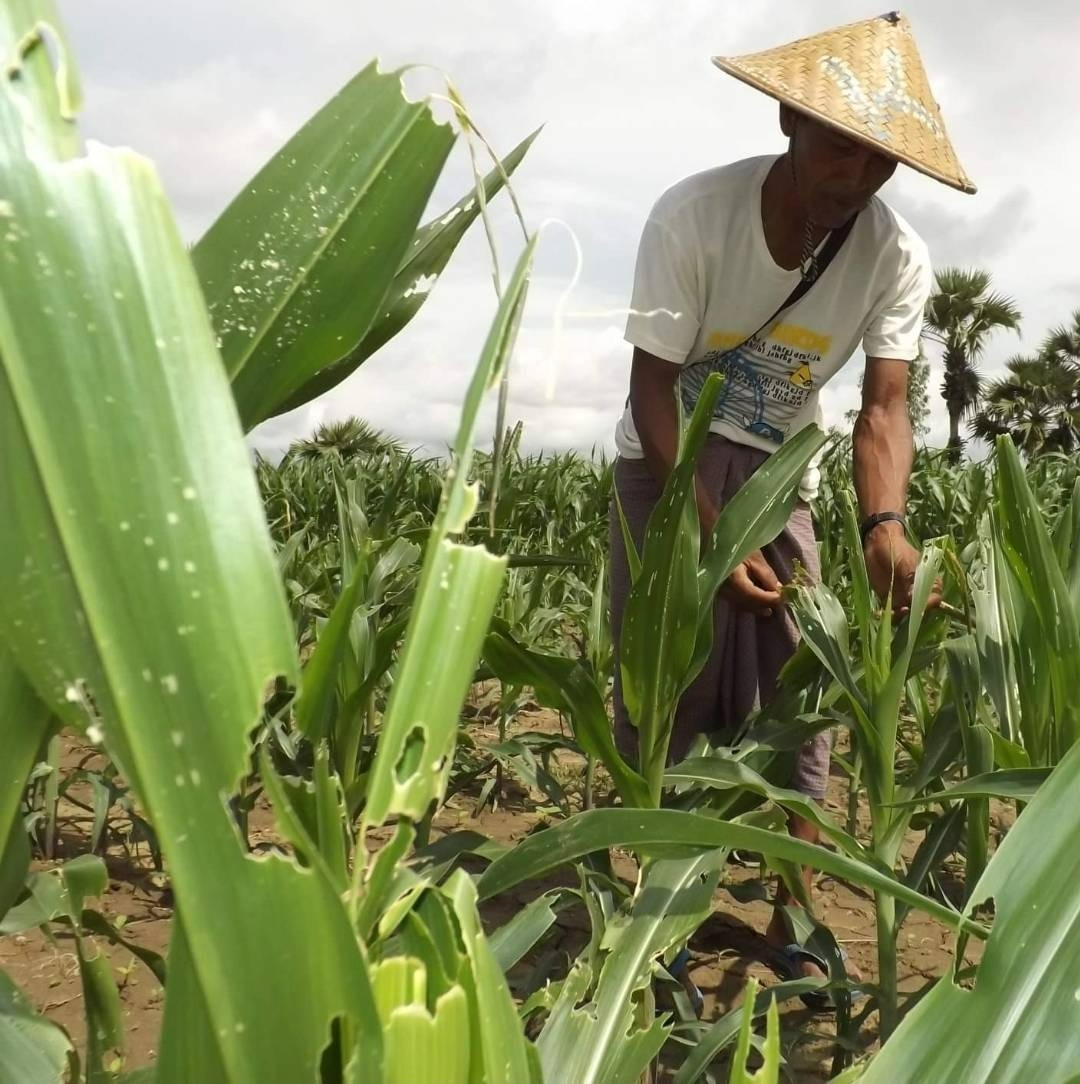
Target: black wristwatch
872	521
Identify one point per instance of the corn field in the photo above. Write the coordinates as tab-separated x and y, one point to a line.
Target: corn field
346	648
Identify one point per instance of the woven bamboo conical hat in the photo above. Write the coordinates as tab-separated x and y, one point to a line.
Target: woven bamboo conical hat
866	79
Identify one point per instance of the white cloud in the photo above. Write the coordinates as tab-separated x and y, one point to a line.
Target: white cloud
630	104
567	383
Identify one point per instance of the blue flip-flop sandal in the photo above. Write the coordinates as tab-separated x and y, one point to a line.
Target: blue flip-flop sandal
679	970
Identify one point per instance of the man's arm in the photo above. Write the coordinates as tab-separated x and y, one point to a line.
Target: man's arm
883	450
753	585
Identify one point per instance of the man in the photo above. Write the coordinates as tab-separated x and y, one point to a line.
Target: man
721	252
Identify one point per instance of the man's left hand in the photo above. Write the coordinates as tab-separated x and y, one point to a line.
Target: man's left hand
891	563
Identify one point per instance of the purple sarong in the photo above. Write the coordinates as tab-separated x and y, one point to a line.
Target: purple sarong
748	651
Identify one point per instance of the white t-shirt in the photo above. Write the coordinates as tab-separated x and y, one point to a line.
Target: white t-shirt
703	261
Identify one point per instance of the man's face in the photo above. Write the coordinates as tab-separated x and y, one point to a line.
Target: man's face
836	176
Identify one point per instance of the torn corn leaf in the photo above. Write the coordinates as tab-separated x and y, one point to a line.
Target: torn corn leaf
139	516
459	496
296	269
425	260
600	1041
454	602
446	630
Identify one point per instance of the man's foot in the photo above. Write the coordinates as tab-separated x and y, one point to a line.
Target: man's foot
803	966
777	937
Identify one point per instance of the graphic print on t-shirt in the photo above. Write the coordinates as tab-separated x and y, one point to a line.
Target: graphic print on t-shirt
767	381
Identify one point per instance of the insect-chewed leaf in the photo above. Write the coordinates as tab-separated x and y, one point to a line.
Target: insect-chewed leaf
296	269
141	594
425	260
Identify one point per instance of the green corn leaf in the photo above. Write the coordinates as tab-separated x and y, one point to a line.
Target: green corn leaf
454	602
1019	784
1067	544
564	685
633	558
660	620
1017	1022
994	642
453	605
296	270
373	895
120	445
296	814
189	1048
319	680
1028	677
940	840
656	831
500	1051
1030	551
331	817
436	913
510	942
941	747
1008	754
861	594
964	689
33	1050
638	1051
437	859
724	772
14	863
759	511
425	260
104	1015
24	723
886	703
823	626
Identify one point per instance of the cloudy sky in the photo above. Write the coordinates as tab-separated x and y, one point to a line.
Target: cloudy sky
630	104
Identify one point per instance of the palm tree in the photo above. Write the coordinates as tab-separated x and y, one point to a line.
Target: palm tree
1020	404
1038	403
343	440
961	315
1063	343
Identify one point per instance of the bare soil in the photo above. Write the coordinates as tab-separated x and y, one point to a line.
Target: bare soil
727	951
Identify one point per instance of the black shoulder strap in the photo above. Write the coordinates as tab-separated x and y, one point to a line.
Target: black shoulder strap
829	250
825	257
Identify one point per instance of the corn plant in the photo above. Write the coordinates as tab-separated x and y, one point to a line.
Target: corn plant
1027	610
122	446
874	687
603	1010
145	608
1020	1019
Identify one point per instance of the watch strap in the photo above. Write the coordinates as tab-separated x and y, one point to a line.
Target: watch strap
873	520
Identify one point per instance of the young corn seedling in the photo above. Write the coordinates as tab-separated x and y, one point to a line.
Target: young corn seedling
873	674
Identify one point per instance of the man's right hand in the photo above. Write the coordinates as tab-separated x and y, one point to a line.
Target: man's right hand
754	586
